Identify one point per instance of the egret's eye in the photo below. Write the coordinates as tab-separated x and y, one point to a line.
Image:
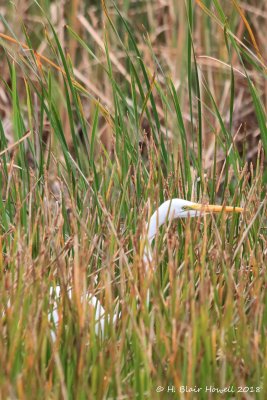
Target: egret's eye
186	208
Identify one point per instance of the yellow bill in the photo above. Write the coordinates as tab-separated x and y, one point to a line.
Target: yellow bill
209	208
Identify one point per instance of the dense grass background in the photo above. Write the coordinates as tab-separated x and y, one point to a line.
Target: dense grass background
107	110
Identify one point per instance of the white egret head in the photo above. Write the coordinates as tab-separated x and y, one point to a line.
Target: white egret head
179	208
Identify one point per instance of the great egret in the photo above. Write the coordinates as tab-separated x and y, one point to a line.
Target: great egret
169	210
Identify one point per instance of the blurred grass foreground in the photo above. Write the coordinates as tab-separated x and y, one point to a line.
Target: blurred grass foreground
107	109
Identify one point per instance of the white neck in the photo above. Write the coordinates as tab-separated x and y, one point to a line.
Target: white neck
163	214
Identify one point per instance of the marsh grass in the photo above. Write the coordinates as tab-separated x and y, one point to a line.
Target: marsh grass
114	131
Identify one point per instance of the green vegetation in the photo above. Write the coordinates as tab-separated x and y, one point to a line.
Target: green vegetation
107	110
